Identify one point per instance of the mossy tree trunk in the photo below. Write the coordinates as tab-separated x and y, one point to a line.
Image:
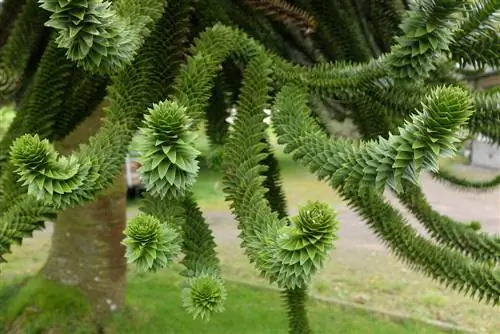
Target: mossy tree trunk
86	252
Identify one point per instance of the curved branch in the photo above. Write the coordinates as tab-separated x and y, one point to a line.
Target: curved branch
346	164
24	37
99	36
465	184
427	32
478	246
129	96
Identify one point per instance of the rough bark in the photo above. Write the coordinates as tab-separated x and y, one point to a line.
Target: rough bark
86	252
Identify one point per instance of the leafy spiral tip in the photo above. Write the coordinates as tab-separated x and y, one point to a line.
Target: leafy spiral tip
50	178
92	32
204	295
425	39
168	157
431	133
304	245
29	153
150	244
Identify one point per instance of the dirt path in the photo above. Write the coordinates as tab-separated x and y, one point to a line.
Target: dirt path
354	233
360	269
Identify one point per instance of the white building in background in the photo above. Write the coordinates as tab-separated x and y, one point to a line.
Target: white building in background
484	153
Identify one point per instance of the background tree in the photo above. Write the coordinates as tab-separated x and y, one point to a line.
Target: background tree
59	59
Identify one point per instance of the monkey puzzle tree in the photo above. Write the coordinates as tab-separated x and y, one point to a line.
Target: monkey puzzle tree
404	97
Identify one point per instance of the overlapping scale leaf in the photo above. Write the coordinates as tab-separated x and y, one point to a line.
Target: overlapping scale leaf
439	262
454	234
204	295
92	33
442	264
303	246
24	37
105	152
430	133
20	221
476	42
50	178
168	157
100	36
427	33
197	243
8	80
151	244
199	246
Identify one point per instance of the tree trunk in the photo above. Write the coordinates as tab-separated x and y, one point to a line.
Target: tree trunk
86	252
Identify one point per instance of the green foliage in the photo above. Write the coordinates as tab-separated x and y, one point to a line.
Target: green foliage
25	36
305	139
204	292
150	311
203	296
168	158
427	32
129	95
59	308
41	106
303	247
462	237
417	115
295	300
432	132
150	244
49	178
7	114
477	40
387	161
97	36
199	246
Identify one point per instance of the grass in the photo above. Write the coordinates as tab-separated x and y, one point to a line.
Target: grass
379	280
154	306
366	276
299	184
244	313
41	305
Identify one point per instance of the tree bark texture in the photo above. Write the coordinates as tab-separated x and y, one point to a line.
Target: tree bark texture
86	252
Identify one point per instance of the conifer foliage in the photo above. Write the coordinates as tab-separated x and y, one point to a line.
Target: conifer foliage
405	98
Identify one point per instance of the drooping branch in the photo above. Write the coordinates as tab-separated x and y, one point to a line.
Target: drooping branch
24	37
345	165
479	246
129	98
100	36
286	250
